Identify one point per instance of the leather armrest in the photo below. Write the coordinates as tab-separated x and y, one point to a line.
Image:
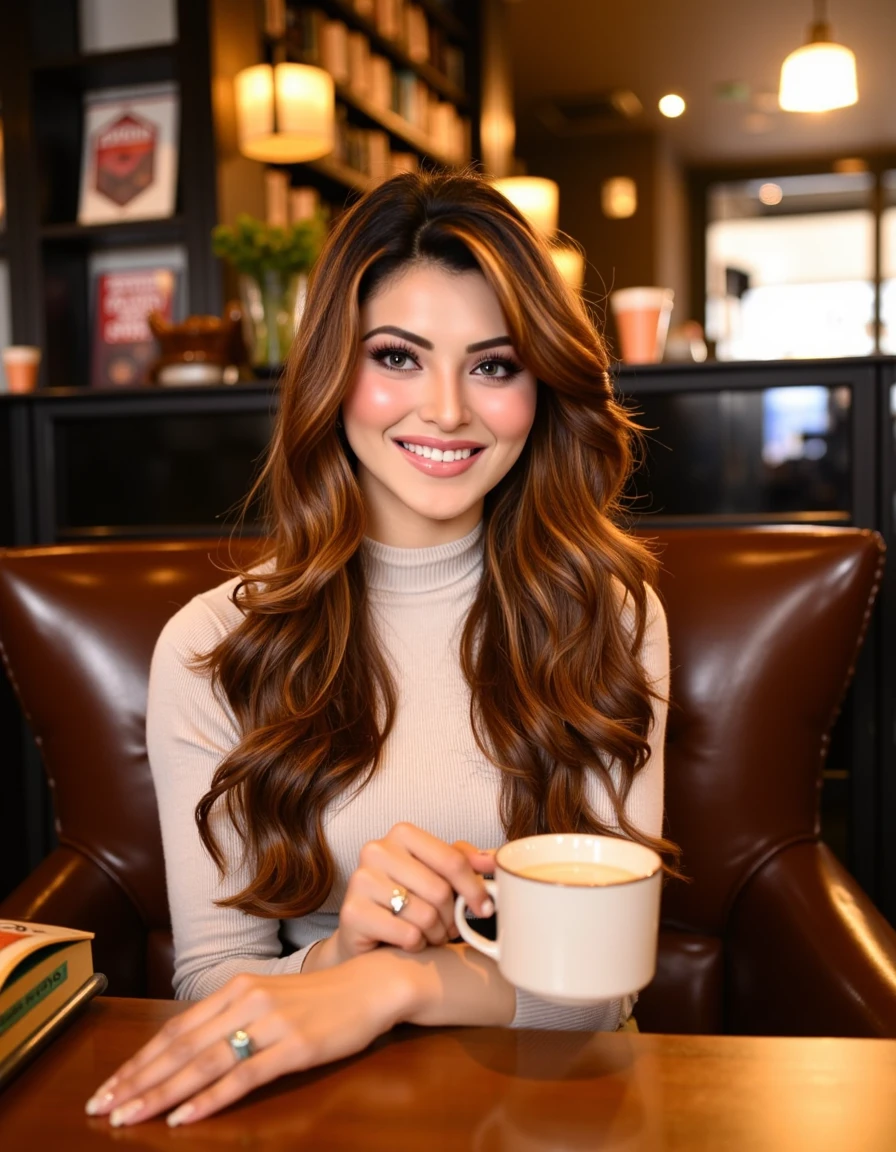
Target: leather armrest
68	889
808	953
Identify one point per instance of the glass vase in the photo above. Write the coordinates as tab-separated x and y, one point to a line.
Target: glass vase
272	307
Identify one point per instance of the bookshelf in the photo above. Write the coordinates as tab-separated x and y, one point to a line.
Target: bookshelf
44	77
405	76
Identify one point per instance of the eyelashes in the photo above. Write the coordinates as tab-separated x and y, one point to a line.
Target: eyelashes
381	354
511	367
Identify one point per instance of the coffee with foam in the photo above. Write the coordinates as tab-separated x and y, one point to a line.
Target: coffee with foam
583	873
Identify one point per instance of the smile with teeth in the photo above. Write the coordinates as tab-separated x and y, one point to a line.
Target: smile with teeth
446	456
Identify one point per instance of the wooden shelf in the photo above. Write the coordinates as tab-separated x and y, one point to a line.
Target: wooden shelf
136	232
397	54
392	123
145	65
340	173
446	20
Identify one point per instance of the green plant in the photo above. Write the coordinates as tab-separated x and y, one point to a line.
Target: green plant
254	247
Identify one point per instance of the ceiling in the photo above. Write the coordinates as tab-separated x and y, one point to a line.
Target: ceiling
571	50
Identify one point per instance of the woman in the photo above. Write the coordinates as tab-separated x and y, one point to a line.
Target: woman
452	643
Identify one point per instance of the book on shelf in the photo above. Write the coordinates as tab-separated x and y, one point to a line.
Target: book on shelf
2	183
129	156
359	63
276	197
123	344
107	25
46	976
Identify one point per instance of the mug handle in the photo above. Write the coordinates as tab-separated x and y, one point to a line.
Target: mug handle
479	942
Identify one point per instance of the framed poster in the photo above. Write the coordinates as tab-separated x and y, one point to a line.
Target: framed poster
123	295
129	155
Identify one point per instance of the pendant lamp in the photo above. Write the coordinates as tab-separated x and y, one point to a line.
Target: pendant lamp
285	113
536	197
821	75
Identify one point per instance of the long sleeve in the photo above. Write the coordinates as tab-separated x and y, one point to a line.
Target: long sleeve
189	732
644	808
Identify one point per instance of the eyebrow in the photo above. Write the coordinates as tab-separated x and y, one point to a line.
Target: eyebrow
493	342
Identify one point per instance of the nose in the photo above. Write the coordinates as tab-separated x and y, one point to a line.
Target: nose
444	402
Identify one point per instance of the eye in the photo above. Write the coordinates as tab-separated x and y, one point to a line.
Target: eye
498	368
395	357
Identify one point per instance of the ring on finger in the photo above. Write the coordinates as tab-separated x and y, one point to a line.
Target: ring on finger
399	899
241	1044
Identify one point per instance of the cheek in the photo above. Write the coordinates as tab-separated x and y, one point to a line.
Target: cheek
373	403
509	414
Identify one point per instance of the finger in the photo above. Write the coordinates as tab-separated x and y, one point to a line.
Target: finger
173	1049
431	898
370	921
429	905
238	1082
449	862
481	859
189	1065
177	1026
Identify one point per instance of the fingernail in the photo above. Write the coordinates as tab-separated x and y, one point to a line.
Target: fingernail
488	908
180	1114
98	1102
125	1113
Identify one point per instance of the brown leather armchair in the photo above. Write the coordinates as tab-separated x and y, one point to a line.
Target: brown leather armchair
771	934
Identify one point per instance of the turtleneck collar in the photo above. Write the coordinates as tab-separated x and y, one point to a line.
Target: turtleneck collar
413	570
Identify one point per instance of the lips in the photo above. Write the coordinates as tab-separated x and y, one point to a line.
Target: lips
442	469
444	445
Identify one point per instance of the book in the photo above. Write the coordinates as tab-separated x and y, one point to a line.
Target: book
46	975
109	25
123	345
129	155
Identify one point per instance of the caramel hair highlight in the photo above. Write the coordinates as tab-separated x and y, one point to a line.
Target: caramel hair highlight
550	646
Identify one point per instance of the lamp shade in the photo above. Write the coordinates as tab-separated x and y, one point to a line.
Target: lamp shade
570	263
619	197
818	77
286	113
537	198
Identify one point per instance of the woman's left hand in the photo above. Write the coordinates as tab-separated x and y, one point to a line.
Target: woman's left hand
294	1022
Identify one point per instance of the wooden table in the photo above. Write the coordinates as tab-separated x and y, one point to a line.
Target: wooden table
489	1090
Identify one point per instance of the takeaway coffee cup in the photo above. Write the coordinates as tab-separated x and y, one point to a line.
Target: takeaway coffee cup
20	365
578	916
642	322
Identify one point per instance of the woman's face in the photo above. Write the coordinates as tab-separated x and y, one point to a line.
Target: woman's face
440	407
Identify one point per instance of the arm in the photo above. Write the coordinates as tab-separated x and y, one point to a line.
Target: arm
189	731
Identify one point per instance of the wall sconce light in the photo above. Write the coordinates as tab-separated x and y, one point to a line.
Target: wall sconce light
570	263
619	197
821	75
285	113
537	198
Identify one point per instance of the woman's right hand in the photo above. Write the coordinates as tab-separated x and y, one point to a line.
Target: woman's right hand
430	870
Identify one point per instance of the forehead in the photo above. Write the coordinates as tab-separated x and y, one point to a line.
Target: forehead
433	292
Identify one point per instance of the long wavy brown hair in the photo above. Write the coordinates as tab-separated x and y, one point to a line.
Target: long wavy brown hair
558	691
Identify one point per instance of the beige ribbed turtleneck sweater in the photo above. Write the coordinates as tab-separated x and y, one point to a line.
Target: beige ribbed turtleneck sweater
432	773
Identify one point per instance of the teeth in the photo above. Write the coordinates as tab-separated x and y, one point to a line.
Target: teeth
445	456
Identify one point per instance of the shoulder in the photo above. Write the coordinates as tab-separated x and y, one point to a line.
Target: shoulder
655	621
200	624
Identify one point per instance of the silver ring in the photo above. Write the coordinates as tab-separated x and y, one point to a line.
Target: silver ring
241	1044
399	900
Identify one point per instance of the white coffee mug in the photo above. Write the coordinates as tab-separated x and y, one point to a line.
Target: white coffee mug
578	916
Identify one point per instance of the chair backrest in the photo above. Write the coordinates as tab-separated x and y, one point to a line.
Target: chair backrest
765	625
